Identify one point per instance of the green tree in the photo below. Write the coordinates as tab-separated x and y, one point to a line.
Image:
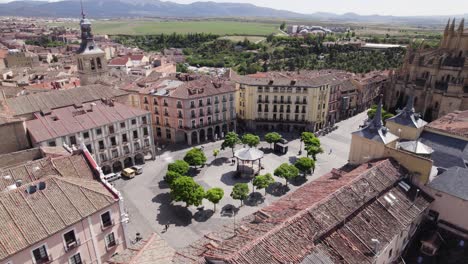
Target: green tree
230	141
250	140
185	189
263	181
272	138
240	192
179	166
214	195
304	165
215	153
195	157
286	171
313	150
385	115
283	26
171	176
307	137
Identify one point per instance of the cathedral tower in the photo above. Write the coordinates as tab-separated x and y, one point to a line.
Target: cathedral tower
92	64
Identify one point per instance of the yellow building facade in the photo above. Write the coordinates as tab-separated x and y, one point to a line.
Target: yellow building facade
283	102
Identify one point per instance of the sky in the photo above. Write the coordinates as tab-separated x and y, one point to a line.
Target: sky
362	7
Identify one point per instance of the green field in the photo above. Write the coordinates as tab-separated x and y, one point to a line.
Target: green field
144	27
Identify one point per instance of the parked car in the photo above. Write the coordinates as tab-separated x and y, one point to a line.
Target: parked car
138	169
128	173
112	177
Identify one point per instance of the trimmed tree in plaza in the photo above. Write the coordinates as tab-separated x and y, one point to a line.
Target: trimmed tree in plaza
179	166
263	181
304	165
311	144
214	195
287	172
250	140
171	176
195	157
240	192
230	141
185	189
272	138
313	150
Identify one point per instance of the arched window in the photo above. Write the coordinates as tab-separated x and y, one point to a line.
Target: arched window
99	64
93	65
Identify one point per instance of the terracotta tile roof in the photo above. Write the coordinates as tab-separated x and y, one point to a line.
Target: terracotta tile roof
69	195
119	61
455	123
137	57
74	166
308	223
69	120
32	103
149	251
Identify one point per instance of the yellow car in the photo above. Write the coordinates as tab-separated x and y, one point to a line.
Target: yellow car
128	173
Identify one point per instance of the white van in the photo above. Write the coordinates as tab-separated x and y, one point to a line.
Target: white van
112	177
138	169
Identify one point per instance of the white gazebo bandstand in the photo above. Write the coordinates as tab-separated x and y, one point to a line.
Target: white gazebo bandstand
248	161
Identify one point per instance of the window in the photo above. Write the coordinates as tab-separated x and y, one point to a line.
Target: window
124	138
106	220
70	240
390	253
122	125
135	134
113	141
99	131
133	121
168	133
158	131
86	135
110	240
40	255
111	129
76	259
52	143
145	131
136	145
72	140
126	149
99	63
115	153
180	124
93	65
200	103
144	120
90	148
101	144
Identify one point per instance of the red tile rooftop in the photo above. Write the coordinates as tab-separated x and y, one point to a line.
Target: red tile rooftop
455	123
72	119
309	222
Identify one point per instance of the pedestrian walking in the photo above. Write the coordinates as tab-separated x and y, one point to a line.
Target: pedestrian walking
330	151
166	227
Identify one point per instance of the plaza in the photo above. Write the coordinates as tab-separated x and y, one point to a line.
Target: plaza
150	208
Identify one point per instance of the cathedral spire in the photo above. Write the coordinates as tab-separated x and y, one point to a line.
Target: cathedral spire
410	104
447	27
452	27
462	26
82	10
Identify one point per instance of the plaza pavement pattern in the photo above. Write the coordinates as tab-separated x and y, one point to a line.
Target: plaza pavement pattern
148	203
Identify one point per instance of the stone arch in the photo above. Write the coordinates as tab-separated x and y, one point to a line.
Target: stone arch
202	135
106	169
99	63
139	159
209	133
117	166
128	162
194	137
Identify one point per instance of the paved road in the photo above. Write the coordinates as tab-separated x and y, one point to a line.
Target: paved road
148	202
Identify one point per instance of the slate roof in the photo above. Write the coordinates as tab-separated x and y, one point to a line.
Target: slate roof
407	116
249	154
150	251
70	195
59	98
448	151
453	181
70	120
325	221
416	147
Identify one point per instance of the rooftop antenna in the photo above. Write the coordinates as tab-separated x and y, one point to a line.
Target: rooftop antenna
82	10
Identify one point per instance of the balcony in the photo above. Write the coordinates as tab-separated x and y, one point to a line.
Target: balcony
72	244
180	116
216	101
208	103
224	109
201	114
111	245
440	85
179	106
165	104
107	224
166	114
420	82
192	116
192	106
209	113
216	111
224	100
45	260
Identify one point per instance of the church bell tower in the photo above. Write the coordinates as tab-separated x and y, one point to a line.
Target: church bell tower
91	60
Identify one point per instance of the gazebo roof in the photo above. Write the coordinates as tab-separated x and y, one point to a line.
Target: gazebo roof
249	154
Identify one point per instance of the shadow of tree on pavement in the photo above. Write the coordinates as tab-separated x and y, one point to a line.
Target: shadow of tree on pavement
170	214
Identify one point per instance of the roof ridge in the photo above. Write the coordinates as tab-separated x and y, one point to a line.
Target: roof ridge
70	181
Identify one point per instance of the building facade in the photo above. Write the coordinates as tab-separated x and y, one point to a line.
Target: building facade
189	108
283	101
438	78
118	136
